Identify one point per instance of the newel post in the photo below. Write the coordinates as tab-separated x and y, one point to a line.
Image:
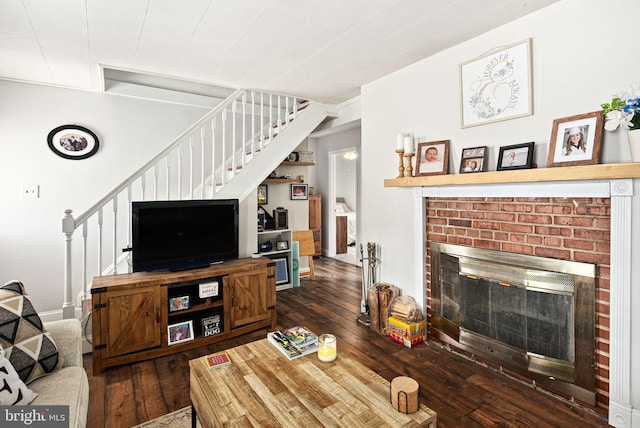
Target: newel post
68	226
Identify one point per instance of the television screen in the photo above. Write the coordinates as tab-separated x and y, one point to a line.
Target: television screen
173	235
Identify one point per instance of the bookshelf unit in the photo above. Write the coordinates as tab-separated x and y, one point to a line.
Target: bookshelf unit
275	236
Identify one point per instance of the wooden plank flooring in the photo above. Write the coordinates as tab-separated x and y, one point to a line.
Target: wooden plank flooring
463	393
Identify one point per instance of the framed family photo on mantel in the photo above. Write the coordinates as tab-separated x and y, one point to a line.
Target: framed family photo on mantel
496	85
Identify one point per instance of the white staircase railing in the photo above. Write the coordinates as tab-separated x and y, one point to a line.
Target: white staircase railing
197	164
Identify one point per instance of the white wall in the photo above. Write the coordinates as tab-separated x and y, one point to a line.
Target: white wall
573	73
131	131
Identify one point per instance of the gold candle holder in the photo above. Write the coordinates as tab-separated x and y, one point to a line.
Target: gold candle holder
400	152
409	167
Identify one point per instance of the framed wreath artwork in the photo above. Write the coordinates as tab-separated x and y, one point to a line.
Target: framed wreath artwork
576	140
73	142
496	85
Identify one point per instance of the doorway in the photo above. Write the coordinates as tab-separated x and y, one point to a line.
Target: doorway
343	204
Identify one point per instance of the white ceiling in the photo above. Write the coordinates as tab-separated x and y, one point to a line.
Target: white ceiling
322	50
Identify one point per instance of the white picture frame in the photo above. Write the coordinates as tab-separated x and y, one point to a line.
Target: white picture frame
180	332
496	85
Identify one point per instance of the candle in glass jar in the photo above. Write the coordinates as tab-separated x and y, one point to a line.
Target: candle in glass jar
327	350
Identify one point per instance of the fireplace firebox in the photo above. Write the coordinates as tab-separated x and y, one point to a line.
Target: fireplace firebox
532	315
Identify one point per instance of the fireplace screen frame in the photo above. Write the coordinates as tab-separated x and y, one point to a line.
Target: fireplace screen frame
578	377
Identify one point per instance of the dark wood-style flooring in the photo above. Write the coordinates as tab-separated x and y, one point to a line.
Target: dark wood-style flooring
463	393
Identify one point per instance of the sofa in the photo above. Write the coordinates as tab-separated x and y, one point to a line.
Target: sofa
68	385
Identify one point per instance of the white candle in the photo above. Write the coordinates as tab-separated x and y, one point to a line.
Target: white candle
408	145
400	142
327	354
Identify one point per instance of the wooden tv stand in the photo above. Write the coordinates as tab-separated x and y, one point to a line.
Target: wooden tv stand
132	315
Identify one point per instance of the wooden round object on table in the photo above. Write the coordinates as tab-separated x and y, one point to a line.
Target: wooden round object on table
405	394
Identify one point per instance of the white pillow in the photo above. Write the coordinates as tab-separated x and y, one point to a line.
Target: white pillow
13	391
339	209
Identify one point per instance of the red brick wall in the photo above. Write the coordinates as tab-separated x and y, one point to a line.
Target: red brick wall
576	229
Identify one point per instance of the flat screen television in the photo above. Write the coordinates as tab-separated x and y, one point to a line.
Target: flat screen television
176	235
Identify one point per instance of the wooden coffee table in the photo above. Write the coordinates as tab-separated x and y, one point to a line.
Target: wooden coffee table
264	388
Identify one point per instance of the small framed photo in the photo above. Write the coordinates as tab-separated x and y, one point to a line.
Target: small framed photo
180	332
263	194
299	192
179	303
517	156
282	245
282	270
293	157
576	140
474	159
433	158
73	142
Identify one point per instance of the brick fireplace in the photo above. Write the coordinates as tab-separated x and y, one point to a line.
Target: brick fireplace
612	184
575	229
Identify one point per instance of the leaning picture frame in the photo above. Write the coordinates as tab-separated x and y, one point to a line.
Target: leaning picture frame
180	332
576	140
433	158
263	194
474	159
282	270
496	85
517	156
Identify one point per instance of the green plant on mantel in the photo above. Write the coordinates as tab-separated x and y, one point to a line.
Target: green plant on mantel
623	110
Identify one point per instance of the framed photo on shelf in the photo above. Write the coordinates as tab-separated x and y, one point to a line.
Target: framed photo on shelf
576	140
263	194
282	270
433	158
179	303
517	156
180	332
299	192
474	159
496	85
293	157
282	245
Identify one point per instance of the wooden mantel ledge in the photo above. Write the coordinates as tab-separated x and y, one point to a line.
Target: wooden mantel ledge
566	173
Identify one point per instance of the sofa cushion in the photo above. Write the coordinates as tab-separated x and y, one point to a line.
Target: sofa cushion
66	387
13	391
28	346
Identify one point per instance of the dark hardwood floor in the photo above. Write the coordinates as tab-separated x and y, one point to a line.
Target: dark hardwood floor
463	393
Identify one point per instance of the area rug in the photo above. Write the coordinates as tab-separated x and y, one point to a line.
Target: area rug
179	419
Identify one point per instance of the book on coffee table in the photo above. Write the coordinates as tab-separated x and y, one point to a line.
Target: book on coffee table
283	344
217	360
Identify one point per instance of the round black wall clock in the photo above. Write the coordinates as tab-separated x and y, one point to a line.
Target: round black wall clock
73	142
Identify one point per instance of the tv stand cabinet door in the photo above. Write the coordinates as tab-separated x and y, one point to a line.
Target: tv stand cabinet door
130	321
252	298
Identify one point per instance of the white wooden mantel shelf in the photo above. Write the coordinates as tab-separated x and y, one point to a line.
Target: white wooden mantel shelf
567	173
